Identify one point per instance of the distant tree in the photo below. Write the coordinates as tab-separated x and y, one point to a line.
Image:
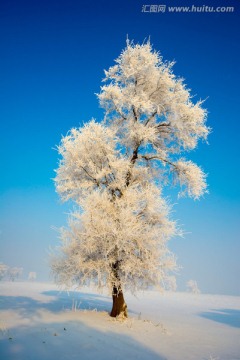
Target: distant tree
3	270
192	287
172	283
14	273
32	275
115	172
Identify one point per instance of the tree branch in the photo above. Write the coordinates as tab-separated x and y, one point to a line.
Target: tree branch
150	117
156	157
117	110
95	180
135	113
157	88
163	124
133	160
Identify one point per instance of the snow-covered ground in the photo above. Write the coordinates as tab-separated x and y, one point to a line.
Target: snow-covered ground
37	322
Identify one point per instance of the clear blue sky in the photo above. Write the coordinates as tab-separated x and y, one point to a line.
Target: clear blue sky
52	58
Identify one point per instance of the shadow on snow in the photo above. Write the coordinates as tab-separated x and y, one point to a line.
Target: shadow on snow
61	301
80	301
229	317
71	340
66	340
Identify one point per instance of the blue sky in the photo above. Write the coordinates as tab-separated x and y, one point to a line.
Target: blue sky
52	58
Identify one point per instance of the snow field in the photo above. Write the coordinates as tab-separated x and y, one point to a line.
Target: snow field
39	322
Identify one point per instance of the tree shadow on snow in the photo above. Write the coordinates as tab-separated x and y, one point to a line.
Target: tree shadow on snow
79	301
229	317
69	339
61	301
82	301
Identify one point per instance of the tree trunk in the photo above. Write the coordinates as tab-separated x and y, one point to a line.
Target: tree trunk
119	307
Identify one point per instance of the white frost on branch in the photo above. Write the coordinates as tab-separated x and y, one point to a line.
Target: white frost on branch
90	161
142	88
133	230
192	177
115	171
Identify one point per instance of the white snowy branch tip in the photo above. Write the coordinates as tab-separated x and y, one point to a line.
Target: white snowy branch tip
112	170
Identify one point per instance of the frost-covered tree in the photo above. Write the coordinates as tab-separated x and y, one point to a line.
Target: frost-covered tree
3	270
192	287
14	273
172	283
32	275
115	172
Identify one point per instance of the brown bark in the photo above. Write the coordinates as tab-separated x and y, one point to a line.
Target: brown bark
119	307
